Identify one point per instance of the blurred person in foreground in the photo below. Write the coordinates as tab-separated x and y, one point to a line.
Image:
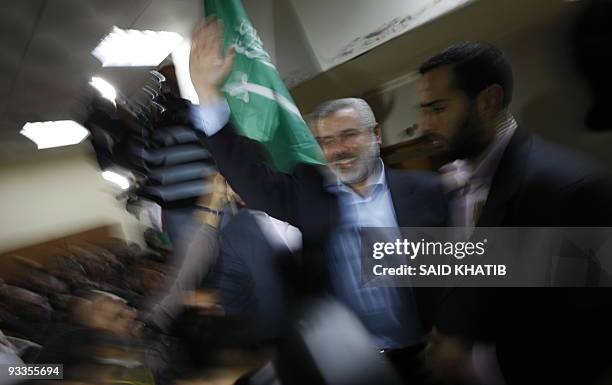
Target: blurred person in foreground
198	252
236	262
328	204
500	175
231	296
102	341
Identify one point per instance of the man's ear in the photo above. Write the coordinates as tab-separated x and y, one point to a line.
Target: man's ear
378	133
491	100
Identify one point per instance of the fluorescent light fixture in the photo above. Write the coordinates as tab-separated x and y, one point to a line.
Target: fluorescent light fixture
134	48
116	179
54	134
105	88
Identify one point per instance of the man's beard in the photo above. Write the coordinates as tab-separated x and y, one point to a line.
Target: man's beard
365	164
468	141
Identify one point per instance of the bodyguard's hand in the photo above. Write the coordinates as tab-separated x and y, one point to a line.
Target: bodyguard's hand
208	66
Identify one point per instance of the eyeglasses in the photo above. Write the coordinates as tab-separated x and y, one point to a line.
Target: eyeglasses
345	137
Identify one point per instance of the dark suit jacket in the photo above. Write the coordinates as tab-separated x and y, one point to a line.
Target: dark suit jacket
254	276
301	199
542	334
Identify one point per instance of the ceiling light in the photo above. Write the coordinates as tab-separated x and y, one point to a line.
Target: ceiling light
117	179
106	89
134	48
54	134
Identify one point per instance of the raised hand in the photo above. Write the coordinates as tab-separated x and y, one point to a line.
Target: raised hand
208	66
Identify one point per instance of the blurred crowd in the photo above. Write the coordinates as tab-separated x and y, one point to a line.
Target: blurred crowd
92	312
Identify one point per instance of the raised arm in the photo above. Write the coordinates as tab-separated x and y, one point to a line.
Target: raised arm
238	158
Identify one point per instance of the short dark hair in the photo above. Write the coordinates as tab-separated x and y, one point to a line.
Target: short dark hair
476	65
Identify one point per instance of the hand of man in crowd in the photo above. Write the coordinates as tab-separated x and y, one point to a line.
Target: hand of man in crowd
447	356
208	65
219	185
215	200
206	302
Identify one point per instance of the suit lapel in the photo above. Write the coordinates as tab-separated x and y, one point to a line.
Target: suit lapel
506	181
401	189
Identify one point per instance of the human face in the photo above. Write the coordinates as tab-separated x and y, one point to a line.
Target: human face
449	118
108	314
351	151
116	317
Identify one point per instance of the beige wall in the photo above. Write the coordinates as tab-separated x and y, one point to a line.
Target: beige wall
55	193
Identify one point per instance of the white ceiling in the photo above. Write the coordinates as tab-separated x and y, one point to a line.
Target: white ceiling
339	30
46	64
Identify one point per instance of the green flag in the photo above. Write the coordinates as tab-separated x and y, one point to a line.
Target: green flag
262	108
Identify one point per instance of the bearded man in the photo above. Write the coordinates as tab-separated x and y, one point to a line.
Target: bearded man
328	204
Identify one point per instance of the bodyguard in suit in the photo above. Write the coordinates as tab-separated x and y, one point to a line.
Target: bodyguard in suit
328	204
500	175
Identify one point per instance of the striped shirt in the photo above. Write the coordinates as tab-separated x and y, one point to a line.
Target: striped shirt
389	313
